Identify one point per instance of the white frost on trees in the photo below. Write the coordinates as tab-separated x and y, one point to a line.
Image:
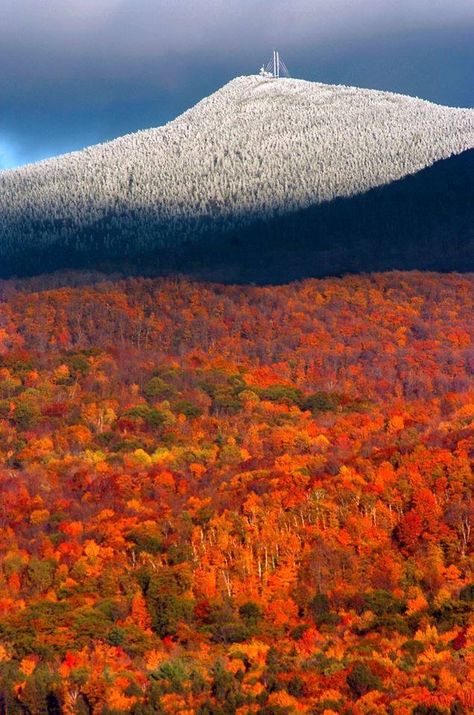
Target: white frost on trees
257	147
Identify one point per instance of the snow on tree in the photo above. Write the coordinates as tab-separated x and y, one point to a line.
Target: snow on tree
258	147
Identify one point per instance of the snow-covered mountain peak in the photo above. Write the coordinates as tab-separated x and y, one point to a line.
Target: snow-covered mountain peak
255	148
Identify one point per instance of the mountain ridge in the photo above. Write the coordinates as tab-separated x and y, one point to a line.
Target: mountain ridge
256	149
235	81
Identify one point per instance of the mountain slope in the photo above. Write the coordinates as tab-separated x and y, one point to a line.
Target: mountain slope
256	149
424	221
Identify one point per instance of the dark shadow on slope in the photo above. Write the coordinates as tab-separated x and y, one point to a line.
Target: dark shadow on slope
424	221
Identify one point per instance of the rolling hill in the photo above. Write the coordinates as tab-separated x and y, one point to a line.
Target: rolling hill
232	174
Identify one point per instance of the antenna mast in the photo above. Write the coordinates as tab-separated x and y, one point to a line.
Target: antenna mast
276	68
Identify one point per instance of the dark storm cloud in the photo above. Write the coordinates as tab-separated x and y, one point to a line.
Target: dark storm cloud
74	72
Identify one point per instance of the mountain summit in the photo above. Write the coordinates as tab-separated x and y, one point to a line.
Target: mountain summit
255	150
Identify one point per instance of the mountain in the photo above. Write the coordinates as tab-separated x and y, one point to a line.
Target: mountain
423	221
256	158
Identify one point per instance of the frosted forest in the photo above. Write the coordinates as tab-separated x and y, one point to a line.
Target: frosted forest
258	147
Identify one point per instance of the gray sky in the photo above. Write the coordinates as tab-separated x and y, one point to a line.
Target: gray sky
75	72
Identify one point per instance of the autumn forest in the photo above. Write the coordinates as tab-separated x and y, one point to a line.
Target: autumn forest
222	500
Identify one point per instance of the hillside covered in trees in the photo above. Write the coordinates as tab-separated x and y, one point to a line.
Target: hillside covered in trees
221	500
255	151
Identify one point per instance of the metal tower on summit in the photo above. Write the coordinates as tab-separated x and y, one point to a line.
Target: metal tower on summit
275	67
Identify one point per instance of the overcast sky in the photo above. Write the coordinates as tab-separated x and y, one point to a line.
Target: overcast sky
76	72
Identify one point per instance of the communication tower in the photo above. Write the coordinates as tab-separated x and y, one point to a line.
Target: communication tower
275	67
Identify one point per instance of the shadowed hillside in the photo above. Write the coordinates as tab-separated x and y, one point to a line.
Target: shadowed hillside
423	221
